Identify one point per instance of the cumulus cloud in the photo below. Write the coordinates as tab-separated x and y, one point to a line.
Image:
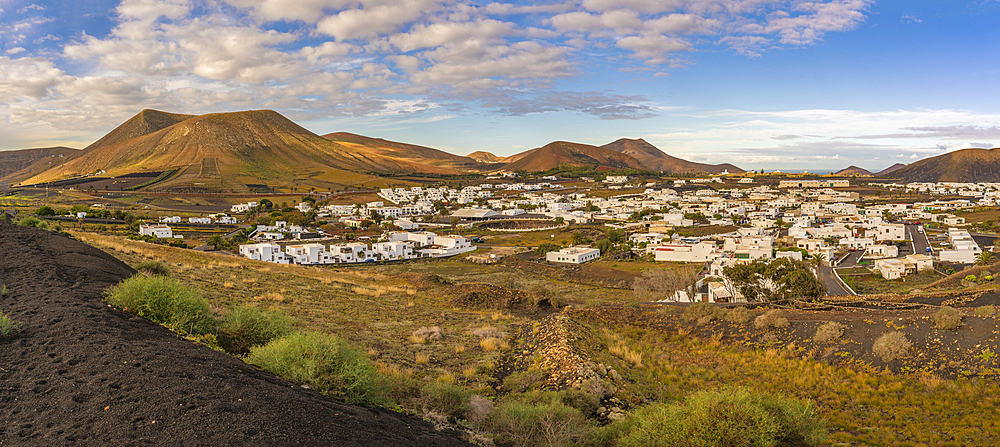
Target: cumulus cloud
356	57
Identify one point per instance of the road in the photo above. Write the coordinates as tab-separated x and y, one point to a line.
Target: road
834	286
850	259
919	239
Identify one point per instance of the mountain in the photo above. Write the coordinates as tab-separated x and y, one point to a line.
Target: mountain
20	164
891	169
853	170
656	160
486	157
402	152
564	153
966	165
229	151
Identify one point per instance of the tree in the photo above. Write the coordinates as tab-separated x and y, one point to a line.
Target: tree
578	238
45	211
217	242
454	223
984	258
266	204
560	220
782	278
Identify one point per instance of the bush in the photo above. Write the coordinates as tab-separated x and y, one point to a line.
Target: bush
521	381
986	311
550	424
245	327
152	268
325	363
891	346
164	301
771	318
947	318
8	327
730	417
739	315
829	331
702	313
446	398
34	222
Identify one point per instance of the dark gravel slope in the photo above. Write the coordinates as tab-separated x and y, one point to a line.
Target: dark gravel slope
82	373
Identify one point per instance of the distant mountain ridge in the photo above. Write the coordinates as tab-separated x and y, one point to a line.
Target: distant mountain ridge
962	166
16	165
241	151
891	169
853	170
559	153
656	160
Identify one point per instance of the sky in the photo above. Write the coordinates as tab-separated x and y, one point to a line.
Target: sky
763	84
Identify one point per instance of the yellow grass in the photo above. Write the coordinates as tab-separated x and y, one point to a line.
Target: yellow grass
490	344
422	358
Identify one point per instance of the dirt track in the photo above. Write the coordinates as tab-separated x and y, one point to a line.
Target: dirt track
82	373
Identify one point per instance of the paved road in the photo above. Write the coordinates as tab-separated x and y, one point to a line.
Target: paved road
851	259
920	242
834	286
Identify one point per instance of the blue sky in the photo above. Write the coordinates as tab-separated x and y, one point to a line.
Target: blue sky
763	84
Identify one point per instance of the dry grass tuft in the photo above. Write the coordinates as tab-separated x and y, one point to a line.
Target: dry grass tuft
422	358
490	344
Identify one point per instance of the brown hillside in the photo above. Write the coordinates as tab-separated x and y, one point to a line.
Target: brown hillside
486	157
563	153
19	164
406	154
145	123
657	160
227	151
891	169
966	165
853	170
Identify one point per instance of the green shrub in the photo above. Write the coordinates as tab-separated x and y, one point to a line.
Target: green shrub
32	221
446	398
829	331
586	401
245	327
164	301
739	315
891	346
947	318
703	313
325	363
552	424
771	318
986	311
8	327
970	278
733	417
521	381
153	268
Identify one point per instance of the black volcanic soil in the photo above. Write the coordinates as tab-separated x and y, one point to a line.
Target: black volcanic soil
82	373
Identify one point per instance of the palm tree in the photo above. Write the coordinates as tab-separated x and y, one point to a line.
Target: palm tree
984	258
817	260
216	241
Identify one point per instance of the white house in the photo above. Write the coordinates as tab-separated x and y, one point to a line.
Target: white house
157	230
243	207
700	252
306	254
883	251
200	220
890	268
393	250
573	255
171	219
266	252
890	232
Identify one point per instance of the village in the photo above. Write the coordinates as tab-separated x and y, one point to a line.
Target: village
735	220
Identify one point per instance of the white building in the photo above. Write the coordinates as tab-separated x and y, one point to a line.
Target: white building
573	255
157	230
964	249
200	220
266	252
307	254
883	251
243	207
700	252
890	232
